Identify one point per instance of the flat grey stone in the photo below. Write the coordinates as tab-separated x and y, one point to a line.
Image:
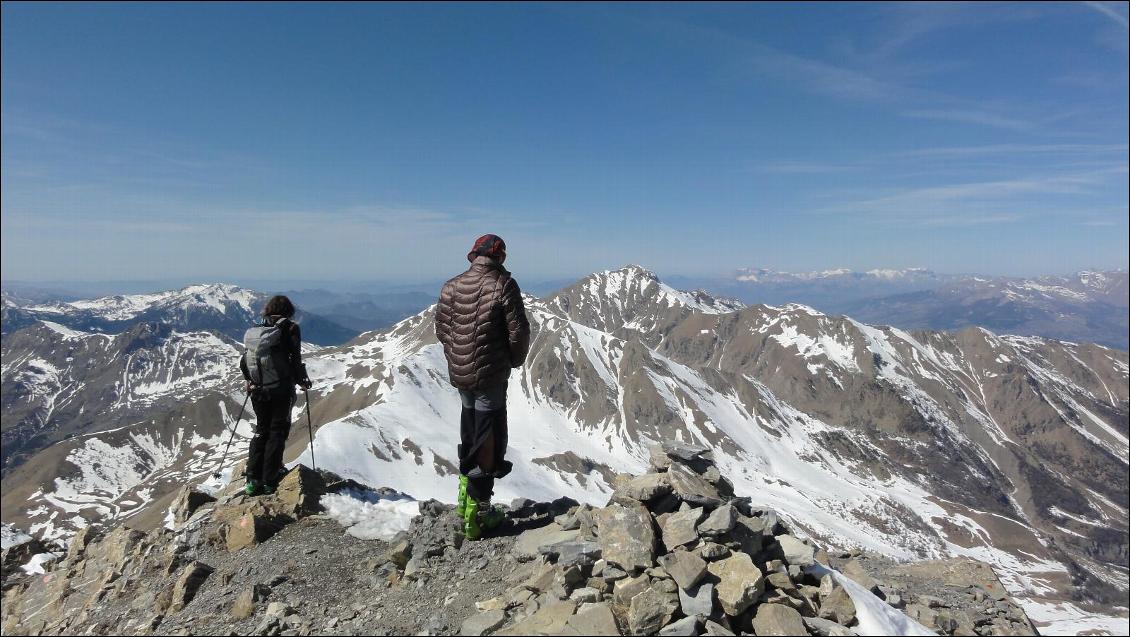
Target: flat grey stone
685	627
480	623
698	600
651	610
527	545
592	619
682	450
692	488
684	567
627	536
679	527
720	521
777	620
643	488
838	607
797	553
715	629
825	628
572	552
740	583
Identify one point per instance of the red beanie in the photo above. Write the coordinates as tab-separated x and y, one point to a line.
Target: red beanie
488	245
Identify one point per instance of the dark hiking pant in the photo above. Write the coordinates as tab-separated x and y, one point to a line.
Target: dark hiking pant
482	439
272	428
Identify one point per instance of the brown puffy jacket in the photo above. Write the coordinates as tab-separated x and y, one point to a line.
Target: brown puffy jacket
482	325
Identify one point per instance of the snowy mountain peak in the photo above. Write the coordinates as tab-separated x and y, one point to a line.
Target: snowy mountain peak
219	297
762	275
631	298
898	274
625	278
636	280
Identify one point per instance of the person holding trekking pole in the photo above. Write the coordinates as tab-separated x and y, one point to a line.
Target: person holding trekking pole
272	366
482	325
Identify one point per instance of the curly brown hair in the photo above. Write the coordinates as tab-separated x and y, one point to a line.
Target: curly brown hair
279	305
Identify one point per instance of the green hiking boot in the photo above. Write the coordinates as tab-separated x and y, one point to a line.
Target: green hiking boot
479	518
268	489
252	487
461	503
491	518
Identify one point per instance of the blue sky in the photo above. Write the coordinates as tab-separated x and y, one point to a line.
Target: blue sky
226	142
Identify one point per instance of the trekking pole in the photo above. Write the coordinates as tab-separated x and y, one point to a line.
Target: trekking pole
232	437
310	428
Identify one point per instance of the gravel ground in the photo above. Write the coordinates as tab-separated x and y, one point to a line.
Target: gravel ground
336	582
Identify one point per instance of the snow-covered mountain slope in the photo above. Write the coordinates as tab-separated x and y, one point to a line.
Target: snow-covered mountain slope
96	425
223	308
913	444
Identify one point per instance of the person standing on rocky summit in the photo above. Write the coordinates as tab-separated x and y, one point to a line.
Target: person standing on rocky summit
482	325
272	366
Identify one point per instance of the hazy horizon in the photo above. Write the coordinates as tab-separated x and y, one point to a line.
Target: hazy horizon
389	286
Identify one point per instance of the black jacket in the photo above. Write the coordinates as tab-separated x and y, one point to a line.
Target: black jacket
295	371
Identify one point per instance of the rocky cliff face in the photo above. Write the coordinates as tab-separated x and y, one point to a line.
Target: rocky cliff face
673	552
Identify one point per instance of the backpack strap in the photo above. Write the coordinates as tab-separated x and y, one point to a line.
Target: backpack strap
500	284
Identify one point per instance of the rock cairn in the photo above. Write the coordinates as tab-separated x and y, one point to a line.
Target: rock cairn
674	552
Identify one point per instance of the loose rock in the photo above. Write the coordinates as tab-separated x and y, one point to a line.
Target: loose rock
627	537
740	583
776	619
684	567
679	527
650	611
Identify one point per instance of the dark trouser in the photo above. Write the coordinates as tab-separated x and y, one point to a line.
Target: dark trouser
482	439
272	428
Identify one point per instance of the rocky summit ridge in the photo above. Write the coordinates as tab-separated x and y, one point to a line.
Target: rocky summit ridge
673	552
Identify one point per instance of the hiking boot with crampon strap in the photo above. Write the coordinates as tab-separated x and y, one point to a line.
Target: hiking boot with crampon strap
480	518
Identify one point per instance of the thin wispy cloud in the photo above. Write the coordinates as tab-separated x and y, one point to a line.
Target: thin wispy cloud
824	78
1100	150
978	202
878	79
913	22
803	168
964	116
1110	10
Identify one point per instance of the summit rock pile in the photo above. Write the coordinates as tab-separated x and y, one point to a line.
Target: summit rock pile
673	552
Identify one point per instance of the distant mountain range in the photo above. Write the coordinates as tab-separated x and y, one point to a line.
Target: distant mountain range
226	309
362	311
1082	307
